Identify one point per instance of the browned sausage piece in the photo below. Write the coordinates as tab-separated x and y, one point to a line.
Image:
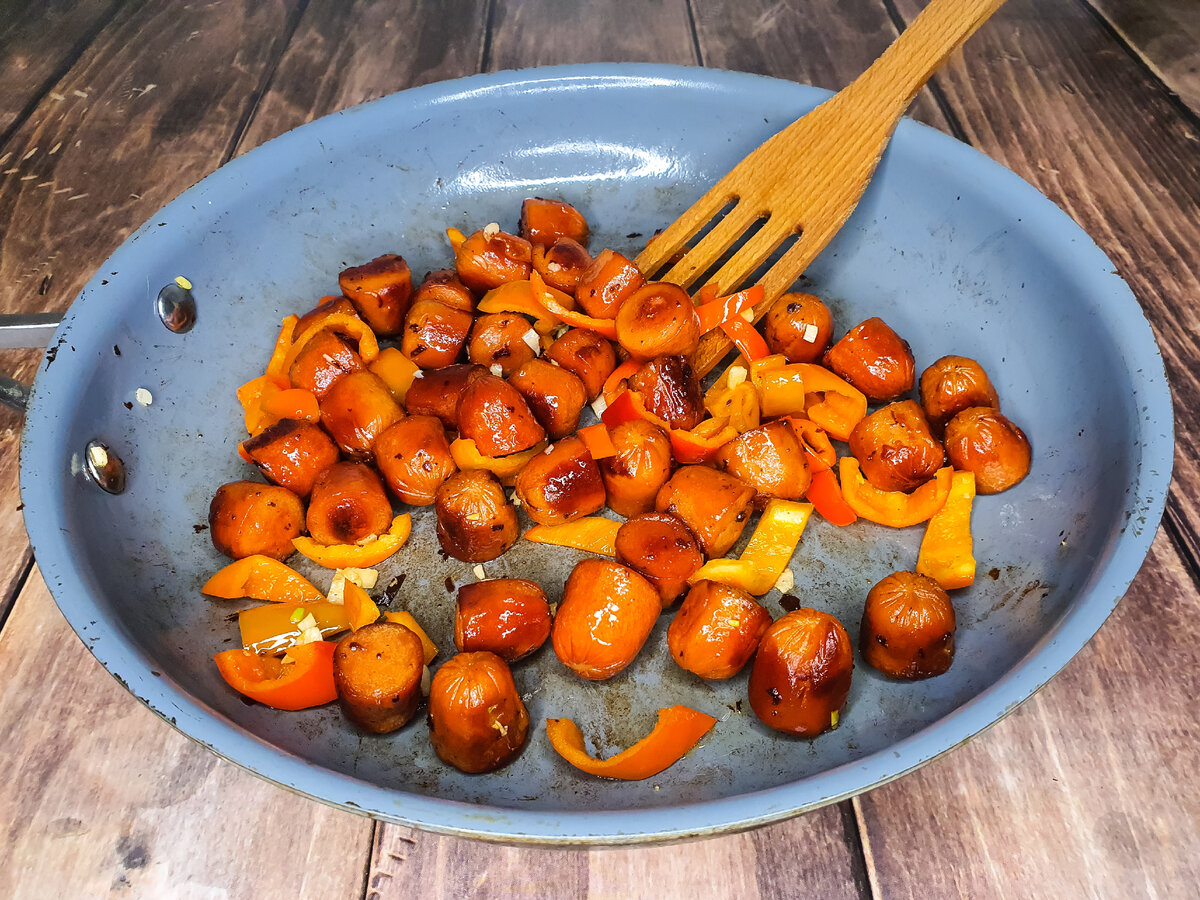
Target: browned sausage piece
477	722
662	549
607	283
606	615
493	414
952	384
437	392
508	616
896	448
356	410
670	391
984	441
498	339
414	458
908	627
475	521
714	505
324	360
875	360
545	221
434	334
555	396
585	355
348	505
716	630
246	518
801	675
488	259
638	470
445	287
292	453
771	460
329	306
658	319
561	264
562	484
799	326
381	291
377	672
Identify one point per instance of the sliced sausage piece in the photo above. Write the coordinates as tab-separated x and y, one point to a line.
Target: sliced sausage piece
586	355
356	411
325	359
799	326
714	505
607	283
437	392
659	319
377	672
670	391
895	447
348	505
606	615
434	334
292	453
875	360
952	384
414	459
545	221
562	263
555	396
771	460
662	549
477	722
381	291
908	627
493	414
508	616
716	630
246	518
641	466
562	484
445	287
985	441
475	521
488	259
498	340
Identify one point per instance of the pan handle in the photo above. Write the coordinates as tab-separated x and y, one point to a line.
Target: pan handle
25	331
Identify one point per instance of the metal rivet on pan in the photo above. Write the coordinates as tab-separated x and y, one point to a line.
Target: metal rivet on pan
104	467
176	306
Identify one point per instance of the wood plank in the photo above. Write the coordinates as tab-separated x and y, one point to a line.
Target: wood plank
102	797
38	41
1166	35
347	53
1090	789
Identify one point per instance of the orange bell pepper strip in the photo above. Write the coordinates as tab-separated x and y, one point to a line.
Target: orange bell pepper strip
467	456
946	553
593	534
274	628
746	338
395	370
781	391
546	296
251	395
456	238
627	406
817	446
701	444
518	297
760	367
283	344
357	556
360	608
405	618
712	312
597	440
675	733
304	682
261	578
894	508
833	403
770	550
246	457
342	323
826	495
623	372
293	403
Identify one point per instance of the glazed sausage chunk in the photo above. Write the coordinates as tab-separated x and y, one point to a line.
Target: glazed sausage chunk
487	259
377	672
445	287
714	505
381	291
325	359
908	627
437	392
329	306
546	221
659	319
875	360
247	518
661	549
475	521
434	333
585	355
606	284
292	453
498	340
670	391
984	441
561	264
493	414
799	326
896	448
639	469
716	630
507	616
771	460
562	484
555	396
357	410
414	459
348	504
477	722
952	384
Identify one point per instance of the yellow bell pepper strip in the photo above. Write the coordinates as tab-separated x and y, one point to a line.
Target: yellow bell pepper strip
405	618
593	534
759	367
623	372
946	553
305	681
546	296
700	445
746	338
817	446
767	555
517	297
261	578
467	456
456	238
675	733
738	404
360	608
597	440
627	406
342	323
283	344
894	508
825	494
833	403
395	370
274	628
357	556
781	391
712	312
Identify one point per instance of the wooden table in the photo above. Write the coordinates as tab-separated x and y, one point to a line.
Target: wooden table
109	109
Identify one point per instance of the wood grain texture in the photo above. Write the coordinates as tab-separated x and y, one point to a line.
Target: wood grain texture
1166	35
1090	789
101	797
38	40
347	53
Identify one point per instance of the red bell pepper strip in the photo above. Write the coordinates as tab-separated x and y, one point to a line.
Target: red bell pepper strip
304	682
722	309
623	372
825	494
816	444
700	445
746	338
605	327
627	406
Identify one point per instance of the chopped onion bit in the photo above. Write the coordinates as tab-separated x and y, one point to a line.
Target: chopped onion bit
98	455
535	343
480	575
810	333
737	375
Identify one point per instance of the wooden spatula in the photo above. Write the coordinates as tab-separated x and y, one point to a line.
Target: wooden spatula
807	179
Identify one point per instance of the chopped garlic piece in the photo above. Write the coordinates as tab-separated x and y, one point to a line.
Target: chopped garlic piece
98	455
426	681
337	589
810	333
306	623
535	343
480	575
748	315
364	578
362	542
496	369
491	229
599	405
420	373
553	267
183	282
287	660
496	723
786	582
143	396
561	330
310	636
737	375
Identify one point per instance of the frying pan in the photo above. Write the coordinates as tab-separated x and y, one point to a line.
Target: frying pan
955	252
